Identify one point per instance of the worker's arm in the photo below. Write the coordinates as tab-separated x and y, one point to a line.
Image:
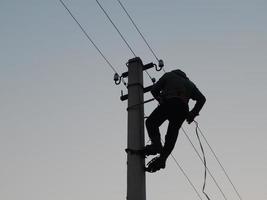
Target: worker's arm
200	101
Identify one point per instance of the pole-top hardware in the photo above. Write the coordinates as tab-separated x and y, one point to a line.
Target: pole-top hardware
146	89
160	65
145	67
117	79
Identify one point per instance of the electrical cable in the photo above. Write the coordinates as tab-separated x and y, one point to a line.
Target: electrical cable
216	183
216	157
138	30
140	33
88	37
190	182
123	38
186	176
91	40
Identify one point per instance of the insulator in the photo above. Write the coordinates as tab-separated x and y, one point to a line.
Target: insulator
117	79
161	63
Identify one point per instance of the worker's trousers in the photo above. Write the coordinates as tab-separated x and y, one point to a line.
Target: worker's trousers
175	111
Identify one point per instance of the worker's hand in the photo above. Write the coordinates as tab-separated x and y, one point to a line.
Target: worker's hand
190	117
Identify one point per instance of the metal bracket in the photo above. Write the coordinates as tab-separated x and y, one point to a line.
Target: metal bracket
136	105
139	152
146	89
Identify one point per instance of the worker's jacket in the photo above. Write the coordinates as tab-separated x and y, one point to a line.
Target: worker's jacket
176	84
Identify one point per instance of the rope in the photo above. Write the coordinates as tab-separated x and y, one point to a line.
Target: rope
205	163
226	174
216	183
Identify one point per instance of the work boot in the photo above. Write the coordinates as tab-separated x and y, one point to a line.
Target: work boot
152	149
156	164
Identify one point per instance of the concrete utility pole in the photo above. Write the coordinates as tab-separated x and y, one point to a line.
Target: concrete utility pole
136	180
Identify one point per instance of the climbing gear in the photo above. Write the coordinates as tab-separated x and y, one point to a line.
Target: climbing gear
147	151
139	152
152	149
155	164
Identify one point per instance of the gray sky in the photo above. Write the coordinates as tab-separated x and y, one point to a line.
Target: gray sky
63	127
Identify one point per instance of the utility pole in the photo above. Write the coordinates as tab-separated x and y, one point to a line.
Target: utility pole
136	179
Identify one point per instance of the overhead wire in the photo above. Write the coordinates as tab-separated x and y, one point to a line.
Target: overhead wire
90	39
216	183
184	173
123	38
138	30
223	169
188	179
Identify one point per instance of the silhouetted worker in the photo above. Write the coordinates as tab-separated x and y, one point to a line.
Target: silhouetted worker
173	92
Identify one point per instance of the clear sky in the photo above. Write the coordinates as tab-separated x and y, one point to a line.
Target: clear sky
63	127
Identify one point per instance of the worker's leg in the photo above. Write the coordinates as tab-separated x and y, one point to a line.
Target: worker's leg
153	122
171	137
176	115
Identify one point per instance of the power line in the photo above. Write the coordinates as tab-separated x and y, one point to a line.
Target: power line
186	176
216	183
123	38
88	37
190	182
140	33
138	30
226	174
